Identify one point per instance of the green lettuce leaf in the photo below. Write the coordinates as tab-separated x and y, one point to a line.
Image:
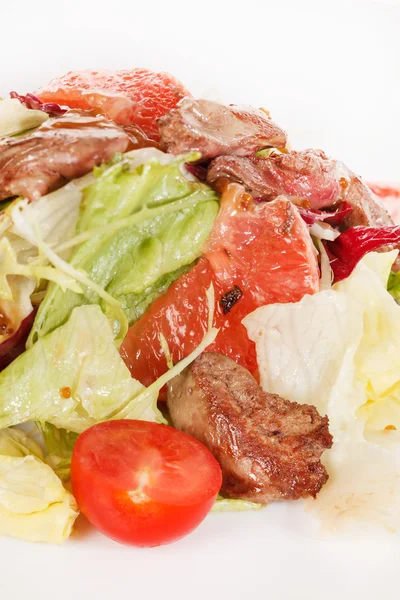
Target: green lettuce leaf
135	305
339	349
58	442
393	285
139	226
143	177
59	445
233	505
16	442
22	269
73	378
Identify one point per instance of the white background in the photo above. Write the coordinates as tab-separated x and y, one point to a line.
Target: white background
329	73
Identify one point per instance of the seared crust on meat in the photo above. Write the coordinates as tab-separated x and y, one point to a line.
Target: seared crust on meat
307	177
213	129
368	210
268	448
62	148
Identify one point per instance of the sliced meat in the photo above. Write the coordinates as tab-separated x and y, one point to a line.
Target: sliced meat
368	210
309	178
62	148
214	129
268	448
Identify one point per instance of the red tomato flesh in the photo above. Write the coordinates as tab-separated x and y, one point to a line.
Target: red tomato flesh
128	96
264	249
142	483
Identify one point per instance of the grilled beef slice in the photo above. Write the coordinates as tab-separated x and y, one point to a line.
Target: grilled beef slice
214	129
308	178
60	149
268	448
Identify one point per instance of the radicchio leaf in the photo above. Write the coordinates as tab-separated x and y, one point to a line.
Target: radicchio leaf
31	101
197	170
15	344
313	215
354	243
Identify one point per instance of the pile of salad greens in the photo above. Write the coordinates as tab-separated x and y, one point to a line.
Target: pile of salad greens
82	264
94	255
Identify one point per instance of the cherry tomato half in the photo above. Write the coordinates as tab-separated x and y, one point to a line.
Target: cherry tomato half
142	483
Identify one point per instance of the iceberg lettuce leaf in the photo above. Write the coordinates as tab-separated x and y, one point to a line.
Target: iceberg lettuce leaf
22	269
59	445
34	505
233	505
72	378
138	228
16	118
340	350
16	442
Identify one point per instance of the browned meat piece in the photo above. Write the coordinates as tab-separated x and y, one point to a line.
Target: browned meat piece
367	210
213	129
268	448
62	148
309	178
138	138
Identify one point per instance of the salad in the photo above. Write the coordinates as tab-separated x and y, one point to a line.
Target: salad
193	316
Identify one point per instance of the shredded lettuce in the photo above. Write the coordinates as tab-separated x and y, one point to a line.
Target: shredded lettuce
22	267
143	399
139	227
34	505
75	377
9	266
340	350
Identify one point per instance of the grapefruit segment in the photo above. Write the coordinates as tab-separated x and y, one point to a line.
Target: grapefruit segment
130	96
263	249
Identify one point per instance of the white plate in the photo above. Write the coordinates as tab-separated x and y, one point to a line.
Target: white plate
330	75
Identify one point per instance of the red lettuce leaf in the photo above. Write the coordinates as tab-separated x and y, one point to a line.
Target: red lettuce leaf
197	170
15	345
313	215
352	245
30	101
